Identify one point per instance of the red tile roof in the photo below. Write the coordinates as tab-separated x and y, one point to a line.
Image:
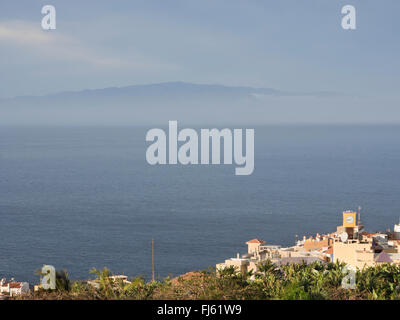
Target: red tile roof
255	241
368	234
13	285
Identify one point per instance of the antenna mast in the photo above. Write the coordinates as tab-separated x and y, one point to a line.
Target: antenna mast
152	259
359	215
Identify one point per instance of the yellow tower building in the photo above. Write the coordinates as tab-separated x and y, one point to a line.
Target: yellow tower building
349	219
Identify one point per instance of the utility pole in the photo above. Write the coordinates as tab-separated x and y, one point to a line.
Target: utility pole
152	259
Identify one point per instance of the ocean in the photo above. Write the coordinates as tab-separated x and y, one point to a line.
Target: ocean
84	197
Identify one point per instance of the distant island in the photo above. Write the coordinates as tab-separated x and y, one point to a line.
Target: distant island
194	104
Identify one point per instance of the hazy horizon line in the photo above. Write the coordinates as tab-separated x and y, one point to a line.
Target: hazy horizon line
278	92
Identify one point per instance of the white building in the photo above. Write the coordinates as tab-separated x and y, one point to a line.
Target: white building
13	288
397	231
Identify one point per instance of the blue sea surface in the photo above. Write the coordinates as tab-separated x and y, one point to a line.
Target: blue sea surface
83	197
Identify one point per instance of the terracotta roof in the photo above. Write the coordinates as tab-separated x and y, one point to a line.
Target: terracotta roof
13	285
256	241
368	234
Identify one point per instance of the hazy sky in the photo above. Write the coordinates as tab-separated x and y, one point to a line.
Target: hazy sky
287	44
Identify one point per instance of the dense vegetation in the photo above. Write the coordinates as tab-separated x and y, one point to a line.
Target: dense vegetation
302	282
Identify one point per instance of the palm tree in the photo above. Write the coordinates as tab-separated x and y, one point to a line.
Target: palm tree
106	284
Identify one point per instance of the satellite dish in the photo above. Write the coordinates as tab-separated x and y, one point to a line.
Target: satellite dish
344	236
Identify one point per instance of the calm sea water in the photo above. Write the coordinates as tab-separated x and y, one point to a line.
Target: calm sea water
81	197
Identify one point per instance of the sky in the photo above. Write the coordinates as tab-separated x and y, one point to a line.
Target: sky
288	45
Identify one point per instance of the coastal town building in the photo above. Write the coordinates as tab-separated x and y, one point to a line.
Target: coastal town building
363	249
396	231
350	244
258	252
317	242
13	288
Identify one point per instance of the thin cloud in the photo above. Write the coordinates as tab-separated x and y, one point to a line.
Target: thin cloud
55	45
